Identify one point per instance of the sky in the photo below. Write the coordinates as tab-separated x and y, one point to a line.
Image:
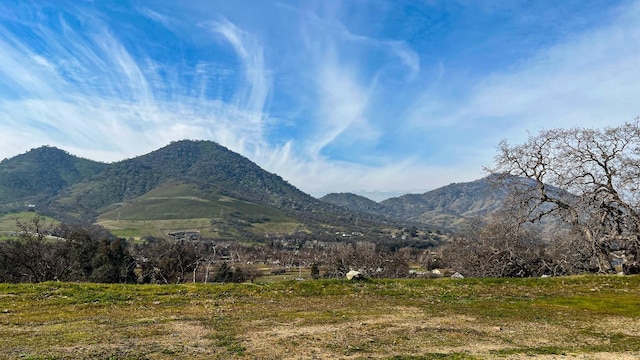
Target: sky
374	97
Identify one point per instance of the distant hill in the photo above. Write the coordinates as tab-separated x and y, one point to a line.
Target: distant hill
202	185
447	207
356	203
40	174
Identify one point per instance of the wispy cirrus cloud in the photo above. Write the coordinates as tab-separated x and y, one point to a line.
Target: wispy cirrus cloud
83	90
255	90
345	116
342	106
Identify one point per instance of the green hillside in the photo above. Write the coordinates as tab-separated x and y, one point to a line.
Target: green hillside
38	175
184	185
212	167
175	206
8	221
356	203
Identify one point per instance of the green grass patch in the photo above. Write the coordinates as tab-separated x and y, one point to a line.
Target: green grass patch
179	206
8	221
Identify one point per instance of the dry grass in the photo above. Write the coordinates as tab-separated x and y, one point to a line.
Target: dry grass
568	318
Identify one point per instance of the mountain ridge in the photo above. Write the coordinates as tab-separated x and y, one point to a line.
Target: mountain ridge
446	207
212	169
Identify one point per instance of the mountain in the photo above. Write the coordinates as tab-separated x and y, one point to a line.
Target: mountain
202	163
447	207
203	185
356	203
40	174
185	180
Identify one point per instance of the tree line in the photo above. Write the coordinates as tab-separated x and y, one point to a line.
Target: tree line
68	252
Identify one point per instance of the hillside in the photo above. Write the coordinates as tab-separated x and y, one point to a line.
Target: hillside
40	174
210	166
356	203
446	208
189	184
191	181
184	206
449	205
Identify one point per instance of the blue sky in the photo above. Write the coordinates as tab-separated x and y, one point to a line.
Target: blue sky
373	97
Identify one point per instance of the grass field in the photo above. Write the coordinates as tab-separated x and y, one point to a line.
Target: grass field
8	221
568	318
178	206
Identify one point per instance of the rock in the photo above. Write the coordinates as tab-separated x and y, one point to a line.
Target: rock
354	275
457	275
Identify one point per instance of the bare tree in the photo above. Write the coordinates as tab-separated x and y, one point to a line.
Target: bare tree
498	248
586	177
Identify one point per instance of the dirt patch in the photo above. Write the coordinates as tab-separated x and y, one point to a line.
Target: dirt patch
591	356
620	325
409	331
403	331
166	341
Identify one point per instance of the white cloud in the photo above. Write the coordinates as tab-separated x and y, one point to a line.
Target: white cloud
257	83
322	176
88	94
166	21
343	104
408	57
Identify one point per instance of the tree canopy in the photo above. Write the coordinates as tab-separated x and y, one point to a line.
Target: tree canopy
586	177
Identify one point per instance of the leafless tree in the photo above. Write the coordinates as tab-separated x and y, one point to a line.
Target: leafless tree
586	177
498	247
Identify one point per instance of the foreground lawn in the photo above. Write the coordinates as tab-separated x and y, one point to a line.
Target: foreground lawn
576	317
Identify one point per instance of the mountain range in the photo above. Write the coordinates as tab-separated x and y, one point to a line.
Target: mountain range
446	208
203	185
